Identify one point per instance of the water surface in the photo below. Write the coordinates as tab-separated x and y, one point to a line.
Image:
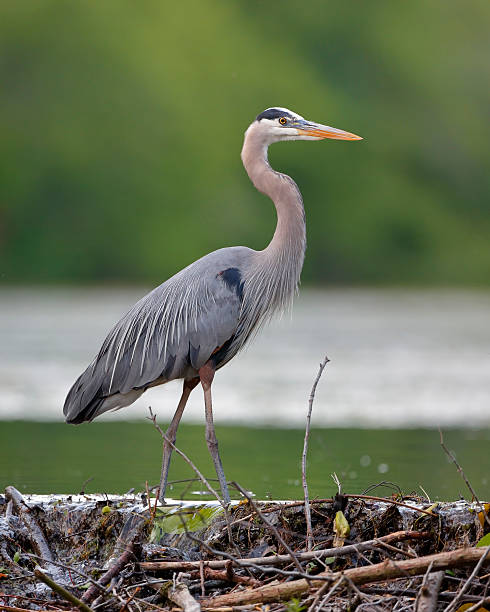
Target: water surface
48	457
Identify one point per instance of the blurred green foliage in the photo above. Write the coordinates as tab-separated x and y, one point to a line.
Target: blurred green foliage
121	126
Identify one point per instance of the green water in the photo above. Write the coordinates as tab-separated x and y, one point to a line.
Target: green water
57	458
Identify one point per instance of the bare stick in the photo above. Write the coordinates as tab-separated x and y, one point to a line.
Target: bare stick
309	530
227	576
133	596
201	577
67	596
443	595
329	594
115	568
340	551
466	585
222	553
70	569
386	570
389	501
84	484
321	592
463	476
329	500
152	511
424	582
269	526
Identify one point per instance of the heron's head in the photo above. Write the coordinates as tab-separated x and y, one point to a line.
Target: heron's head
276	124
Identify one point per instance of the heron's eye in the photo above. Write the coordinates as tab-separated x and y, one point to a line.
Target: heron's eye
283	120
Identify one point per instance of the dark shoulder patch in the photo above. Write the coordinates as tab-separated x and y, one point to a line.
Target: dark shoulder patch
273	113
233	279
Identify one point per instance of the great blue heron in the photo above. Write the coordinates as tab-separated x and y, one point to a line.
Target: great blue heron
196	321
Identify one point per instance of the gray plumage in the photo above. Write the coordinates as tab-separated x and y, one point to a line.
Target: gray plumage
168	334
201	317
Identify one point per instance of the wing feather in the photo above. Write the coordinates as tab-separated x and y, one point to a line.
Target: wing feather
168	334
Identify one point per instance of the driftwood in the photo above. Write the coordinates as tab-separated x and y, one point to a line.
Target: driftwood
36	535
429	592
180	595
339	551
359	575
228	575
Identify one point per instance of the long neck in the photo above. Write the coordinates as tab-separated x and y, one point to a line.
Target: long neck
286	250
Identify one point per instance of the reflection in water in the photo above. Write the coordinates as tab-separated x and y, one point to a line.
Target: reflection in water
398	358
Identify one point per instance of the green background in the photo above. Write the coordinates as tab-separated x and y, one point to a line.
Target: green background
121	126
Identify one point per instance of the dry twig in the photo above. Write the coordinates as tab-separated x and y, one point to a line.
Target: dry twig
152	511
463	476
67	596
201	578
236	561
269	526
329	500
389	501
340	551
227	576
321	591
466	585
70	569
309	530
359	575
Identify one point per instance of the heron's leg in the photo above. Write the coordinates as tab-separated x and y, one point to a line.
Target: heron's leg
206	374
171	434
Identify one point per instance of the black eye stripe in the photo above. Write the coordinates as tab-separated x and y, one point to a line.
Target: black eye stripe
273	113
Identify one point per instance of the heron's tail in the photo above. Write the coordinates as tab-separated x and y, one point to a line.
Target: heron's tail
90	396
85	399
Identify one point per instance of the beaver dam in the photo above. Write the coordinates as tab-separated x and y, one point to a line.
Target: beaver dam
92	552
